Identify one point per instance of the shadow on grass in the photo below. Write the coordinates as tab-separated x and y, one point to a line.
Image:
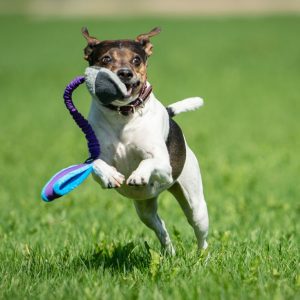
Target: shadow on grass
118	257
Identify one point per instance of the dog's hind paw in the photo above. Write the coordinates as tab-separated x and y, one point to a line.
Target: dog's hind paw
107	176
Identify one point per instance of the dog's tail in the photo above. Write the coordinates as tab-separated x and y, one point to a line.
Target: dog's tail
185	105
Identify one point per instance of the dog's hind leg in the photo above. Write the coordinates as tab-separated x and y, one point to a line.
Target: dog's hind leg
189	193
147	211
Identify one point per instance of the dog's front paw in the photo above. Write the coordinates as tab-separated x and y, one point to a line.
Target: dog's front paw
106	175
137	178
163	177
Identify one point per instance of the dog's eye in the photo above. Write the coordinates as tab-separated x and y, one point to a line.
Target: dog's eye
106	59
136	61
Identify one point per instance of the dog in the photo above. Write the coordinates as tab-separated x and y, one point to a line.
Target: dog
144	151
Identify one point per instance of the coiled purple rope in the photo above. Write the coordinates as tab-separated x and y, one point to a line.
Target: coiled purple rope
69	178
92	141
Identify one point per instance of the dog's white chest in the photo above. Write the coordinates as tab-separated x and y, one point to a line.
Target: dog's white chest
126	157
125	143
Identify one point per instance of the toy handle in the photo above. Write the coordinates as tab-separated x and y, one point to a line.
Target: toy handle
65	181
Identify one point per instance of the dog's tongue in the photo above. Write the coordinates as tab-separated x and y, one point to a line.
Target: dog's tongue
105	85
129	91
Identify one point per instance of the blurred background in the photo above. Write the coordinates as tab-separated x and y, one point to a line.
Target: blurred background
146	7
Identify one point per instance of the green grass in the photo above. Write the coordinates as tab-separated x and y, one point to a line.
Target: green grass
90	244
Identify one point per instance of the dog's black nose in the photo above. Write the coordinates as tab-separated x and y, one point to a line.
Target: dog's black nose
125	74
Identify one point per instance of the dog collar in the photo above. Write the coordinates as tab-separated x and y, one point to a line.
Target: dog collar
130	108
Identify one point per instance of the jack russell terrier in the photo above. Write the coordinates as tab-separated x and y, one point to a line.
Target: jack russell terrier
143	150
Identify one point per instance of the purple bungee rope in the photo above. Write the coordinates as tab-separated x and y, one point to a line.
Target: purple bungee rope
92	141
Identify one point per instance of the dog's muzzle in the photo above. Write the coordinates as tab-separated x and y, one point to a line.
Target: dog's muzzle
131	82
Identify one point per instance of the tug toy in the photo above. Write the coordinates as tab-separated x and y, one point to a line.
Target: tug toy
69	178
109	88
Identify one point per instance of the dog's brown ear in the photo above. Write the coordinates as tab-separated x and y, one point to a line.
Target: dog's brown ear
92	42
144	39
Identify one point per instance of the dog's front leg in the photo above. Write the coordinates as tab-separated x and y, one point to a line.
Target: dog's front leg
155	166
106	175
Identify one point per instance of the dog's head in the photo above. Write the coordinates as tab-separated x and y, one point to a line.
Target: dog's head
126	58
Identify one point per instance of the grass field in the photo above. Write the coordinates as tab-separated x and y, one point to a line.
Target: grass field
90	244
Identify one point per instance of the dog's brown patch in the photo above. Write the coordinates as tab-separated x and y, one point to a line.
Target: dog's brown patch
115	58
102	47
176	148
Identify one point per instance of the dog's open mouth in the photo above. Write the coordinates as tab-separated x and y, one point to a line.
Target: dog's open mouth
131	88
